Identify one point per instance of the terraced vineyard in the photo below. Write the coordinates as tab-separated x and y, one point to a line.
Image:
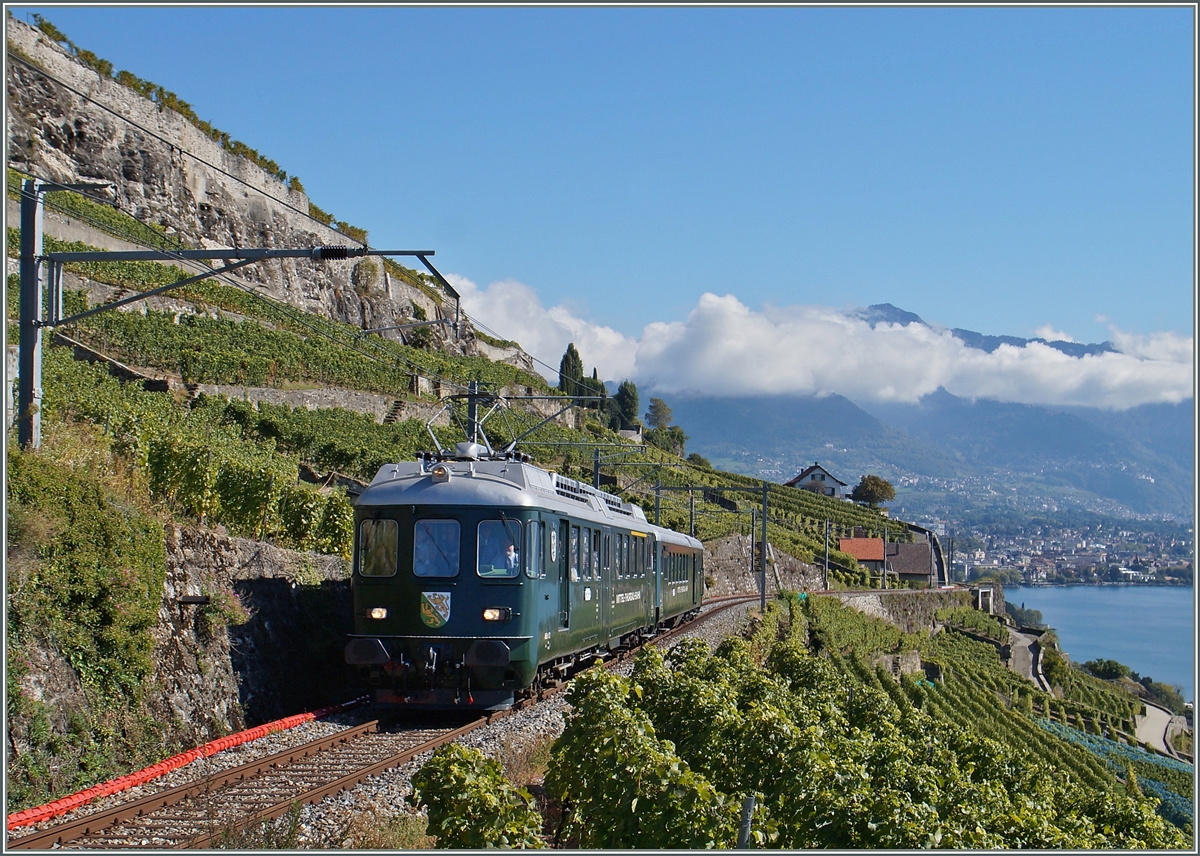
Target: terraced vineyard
978	694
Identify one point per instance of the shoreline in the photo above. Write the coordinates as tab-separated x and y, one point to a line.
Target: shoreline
1105	584
1148	628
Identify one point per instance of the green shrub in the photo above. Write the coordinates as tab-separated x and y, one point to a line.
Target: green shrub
94	579
471	804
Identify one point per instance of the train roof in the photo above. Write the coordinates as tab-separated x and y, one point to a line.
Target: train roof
505	483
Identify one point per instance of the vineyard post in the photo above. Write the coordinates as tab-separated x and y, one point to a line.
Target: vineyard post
750	537
692	513
743	842
826	554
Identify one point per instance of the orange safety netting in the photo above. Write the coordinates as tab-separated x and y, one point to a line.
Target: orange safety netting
61	806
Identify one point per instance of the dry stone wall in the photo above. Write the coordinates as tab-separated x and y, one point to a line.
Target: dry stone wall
909	610
727	564
268	645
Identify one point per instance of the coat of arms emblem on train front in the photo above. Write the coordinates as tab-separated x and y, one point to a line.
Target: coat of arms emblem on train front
435	608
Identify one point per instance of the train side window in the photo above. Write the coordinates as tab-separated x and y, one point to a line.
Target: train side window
573	554
378	547
534	549
436	548
498	556
595	554
585	555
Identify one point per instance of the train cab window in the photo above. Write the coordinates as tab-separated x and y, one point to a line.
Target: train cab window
535	566
573	554
378	547
435	548
498	555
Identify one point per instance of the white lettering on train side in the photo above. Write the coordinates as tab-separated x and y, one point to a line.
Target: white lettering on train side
628	596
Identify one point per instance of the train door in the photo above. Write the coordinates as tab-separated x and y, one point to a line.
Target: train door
585	607
543	579
660	576
655	578
609	576
559	556
600	582
697	577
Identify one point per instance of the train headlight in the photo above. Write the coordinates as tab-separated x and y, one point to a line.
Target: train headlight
378	613
497	613
440	473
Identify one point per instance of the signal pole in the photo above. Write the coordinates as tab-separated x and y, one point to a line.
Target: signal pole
29	362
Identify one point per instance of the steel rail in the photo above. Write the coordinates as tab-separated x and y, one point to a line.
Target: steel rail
97	821
343	783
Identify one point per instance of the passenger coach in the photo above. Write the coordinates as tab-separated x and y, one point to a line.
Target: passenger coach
478	580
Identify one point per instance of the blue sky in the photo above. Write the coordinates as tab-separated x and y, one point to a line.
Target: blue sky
997	169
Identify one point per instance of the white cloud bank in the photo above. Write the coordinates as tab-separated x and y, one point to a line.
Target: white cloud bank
725	348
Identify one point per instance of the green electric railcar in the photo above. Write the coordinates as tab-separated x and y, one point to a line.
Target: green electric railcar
477	581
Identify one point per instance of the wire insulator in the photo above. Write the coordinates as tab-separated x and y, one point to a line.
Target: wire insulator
330	253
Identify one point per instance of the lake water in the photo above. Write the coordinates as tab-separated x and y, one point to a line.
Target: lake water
1151	629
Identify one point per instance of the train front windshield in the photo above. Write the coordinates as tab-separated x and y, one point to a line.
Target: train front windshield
435	548
500	549
378	547
498	555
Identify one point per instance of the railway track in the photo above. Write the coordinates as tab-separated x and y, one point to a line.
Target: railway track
202	813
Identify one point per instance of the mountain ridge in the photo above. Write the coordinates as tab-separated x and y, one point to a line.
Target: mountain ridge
944	439
886	313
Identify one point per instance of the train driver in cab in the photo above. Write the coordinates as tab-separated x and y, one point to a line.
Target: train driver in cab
498	556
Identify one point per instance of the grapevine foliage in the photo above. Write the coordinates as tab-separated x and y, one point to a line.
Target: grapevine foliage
471	804
837	754
197	459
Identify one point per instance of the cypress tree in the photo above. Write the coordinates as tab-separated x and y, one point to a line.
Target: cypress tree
570	372
627	403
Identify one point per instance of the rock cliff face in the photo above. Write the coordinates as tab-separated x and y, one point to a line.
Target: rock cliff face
165	171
